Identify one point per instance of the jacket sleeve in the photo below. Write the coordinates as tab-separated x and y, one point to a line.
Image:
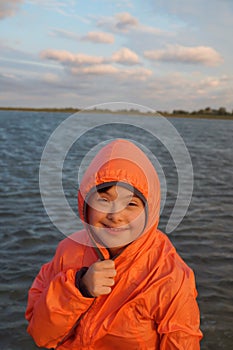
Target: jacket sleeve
179	325
180	340
54	304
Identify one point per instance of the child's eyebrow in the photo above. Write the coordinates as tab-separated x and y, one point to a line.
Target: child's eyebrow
128	196
133	196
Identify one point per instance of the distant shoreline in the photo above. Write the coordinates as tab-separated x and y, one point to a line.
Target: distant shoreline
128	112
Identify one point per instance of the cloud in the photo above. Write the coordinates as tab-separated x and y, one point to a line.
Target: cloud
194	91
81	64
94	37
9	7
99	37
213	83
62	33
184	54
104	83
125	23
66	57
121	22
125	56
8	76
118	74
140	73
50	78
153	30
100	69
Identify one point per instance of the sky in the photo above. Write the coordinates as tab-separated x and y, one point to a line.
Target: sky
165	55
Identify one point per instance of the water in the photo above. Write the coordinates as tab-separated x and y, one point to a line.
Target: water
203	239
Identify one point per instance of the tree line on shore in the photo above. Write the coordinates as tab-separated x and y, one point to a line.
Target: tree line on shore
206	112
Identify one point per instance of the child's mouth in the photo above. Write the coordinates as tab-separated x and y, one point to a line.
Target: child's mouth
114	230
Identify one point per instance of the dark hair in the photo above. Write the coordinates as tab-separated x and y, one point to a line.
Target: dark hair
104	187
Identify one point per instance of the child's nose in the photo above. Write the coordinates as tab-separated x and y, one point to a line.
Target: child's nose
115	215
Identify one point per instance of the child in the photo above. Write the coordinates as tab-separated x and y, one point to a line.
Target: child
119	283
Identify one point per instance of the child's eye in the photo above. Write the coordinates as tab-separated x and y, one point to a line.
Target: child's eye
133	204
102	200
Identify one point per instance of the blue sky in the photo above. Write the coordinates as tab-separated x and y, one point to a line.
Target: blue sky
161	54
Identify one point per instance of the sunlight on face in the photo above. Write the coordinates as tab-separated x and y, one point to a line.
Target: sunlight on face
116	216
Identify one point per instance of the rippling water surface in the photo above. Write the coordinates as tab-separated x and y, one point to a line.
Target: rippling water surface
203	238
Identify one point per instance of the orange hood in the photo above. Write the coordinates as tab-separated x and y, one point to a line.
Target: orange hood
122	161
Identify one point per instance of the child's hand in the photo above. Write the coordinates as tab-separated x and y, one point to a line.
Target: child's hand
99	278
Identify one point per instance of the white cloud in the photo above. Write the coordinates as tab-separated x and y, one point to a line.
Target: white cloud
194	91
121	22
137	73
62	33
125	56
214	83
66	57
9	7
81	64
140	74
94	37
183	54
100	69
50	78
153	30
101	83
125	23
99	37
8	76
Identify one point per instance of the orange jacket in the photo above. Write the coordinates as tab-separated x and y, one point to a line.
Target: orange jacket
153	302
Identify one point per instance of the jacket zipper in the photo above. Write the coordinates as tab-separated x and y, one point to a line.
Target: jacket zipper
71	332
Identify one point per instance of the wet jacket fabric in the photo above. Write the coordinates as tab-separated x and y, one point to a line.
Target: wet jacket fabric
153	302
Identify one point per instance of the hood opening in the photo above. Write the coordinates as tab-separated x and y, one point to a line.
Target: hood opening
100	188
106	185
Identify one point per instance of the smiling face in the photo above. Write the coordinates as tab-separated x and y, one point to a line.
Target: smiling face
116	215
